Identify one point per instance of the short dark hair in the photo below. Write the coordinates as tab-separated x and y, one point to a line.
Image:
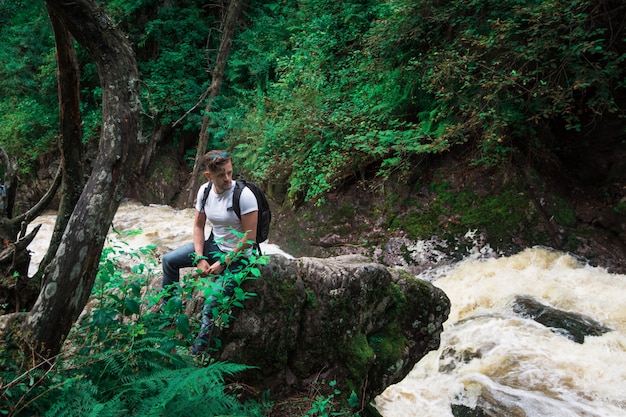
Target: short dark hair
213	160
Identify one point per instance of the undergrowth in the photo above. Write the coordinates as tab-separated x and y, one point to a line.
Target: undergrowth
128	356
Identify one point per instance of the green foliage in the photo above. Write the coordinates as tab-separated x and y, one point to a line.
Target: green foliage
186	391
174	79
174	47
331	91
123	359
28	92
317	112
505	69
453	214
324	405
213	287
323	399
175	44
319	92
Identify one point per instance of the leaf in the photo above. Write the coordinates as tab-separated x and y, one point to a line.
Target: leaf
132	306
102	317
182	324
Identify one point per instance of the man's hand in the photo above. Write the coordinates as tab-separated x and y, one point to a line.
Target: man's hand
216	269
204	267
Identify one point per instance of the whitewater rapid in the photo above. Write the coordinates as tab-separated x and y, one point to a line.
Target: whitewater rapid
488	355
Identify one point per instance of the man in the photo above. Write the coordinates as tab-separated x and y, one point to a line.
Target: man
228	242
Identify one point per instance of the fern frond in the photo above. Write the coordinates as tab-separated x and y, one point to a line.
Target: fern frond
76	398
183	392
189	391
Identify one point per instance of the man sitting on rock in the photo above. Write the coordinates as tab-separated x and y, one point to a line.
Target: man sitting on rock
226	246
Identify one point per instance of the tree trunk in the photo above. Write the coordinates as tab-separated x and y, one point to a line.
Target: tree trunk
70	140
69	278
232	15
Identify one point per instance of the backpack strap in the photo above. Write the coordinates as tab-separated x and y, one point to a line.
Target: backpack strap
205	196
239	186
237	197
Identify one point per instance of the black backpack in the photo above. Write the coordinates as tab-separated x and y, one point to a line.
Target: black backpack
265	214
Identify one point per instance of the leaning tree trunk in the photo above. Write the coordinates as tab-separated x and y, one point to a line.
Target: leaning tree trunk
69	279
70	140
232	15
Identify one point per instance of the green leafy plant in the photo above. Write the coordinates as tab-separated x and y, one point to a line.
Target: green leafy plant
324	405
213	287
321	93
339	91
124	359
28	91
184	391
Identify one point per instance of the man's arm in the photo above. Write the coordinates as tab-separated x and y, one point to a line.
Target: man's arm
199	223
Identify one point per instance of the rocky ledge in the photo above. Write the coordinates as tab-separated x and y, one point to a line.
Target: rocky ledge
342	319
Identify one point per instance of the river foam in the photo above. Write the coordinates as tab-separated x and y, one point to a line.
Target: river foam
491	357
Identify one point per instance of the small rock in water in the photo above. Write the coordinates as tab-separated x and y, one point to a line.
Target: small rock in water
575	326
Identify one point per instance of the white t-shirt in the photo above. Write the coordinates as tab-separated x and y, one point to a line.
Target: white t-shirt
220	213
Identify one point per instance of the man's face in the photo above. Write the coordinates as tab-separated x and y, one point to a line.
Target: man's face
222	177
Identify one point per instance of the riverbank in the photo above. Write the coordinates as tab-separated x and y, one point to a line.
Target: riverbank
445	207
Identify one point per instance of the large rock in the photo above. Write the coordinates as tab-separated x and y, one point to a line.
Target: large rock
344	319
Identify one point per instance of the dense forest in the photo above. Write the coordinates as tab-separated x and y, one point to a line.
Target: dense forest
316	92
318	95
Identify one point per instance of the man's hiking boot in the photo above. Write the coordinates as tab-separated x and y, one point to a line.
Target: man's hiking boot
201	344
207	341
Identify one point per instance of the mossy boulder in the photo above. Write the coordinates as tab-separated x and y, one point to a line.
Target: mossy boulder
343	319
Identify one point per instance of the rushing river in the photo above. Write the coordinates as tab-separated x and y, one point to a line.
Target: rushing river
514	362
